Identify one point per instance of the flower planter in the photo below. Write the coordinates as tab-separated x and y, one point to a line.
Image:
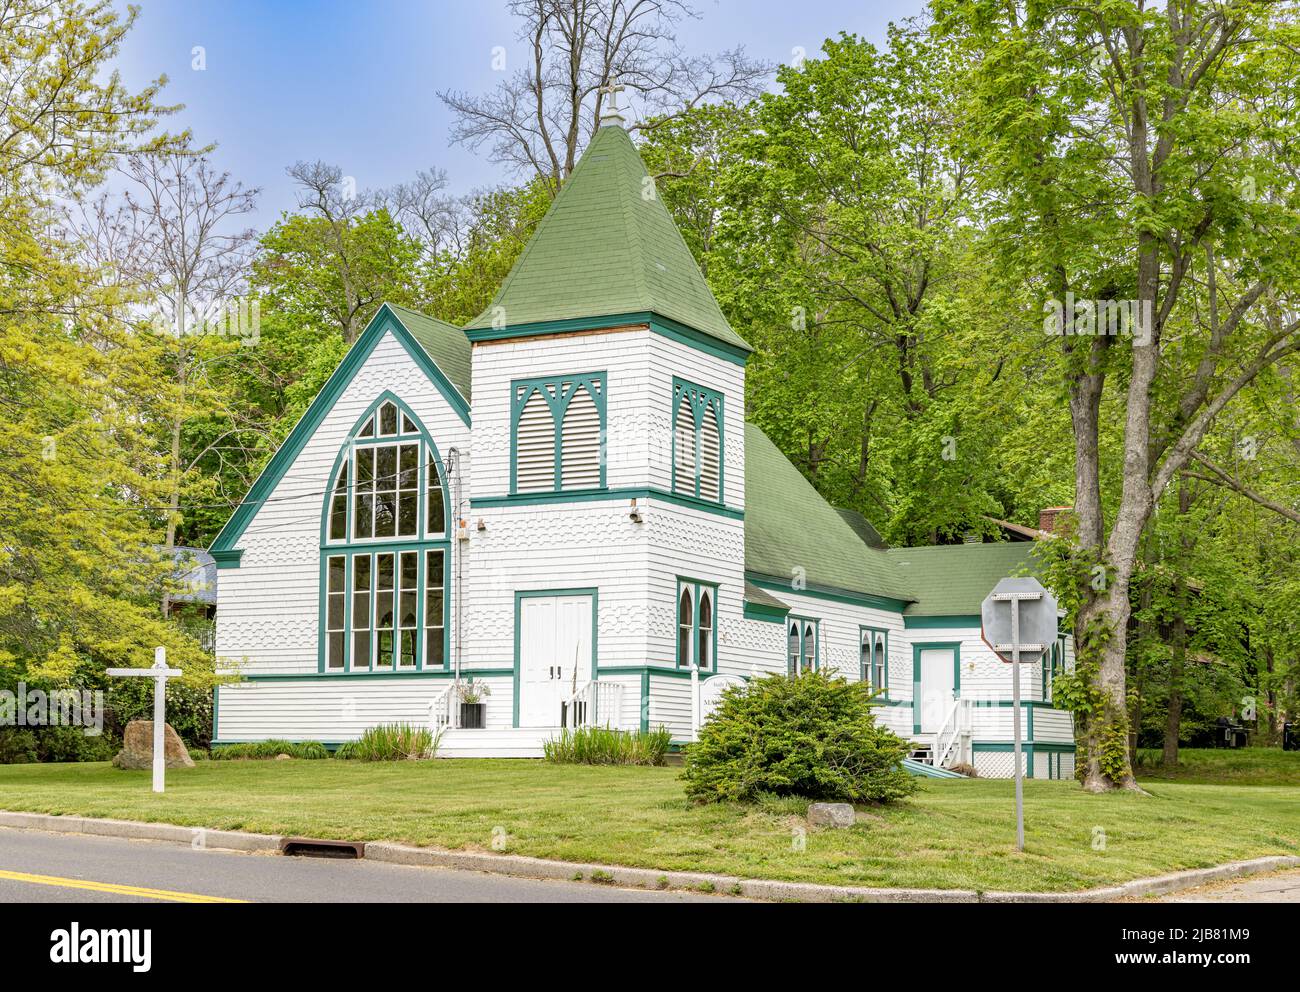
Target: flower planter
471	716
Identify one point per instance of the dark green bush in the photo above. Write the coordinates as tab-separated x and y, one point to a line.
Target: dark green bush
391	742
269	750
604	746
813	736
189	708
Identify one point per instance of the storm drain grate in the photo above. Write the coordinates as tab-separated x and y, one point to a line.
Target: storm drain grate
311	847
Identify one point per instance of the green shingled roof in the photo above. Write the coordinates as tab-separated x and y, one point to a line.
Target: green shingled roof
952	580
788	525
863	527
606	248
445	343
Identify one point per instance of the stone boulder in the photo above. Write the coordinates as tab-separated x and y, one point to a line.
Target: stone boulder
836	815
137	747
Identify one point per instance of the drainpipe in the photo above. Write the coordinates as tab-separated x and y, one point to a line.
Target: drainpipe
453	459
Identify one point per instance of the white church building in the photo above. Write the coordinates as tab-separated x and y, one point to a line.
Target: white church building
560	511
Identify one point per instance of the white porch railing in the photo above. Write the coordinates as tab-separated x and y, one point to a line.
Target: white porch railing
953	735
593	704
443	713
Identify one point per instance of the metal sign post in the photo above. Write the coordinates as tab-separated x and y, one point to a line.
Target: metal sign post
1017	644
160	673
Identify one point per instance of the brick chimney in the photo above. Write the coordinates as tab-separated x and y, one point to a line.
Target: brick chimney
1048	518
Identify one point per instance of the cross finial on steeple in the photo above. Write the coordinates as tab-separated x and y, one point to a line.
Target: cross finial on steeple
610	113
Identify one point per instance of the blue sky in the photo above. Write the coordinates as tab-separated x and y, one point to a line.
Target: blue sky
356	83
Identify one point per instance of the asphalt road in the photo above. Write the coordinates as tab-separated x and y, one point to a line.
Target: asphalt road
48	867
1278	887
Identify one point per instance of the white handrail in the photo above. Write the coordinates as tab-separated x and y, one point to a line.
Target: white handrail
440	710
594	703
942	748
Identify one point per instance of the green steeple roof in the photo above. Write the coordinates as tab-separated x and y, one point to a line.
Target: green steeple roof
606	248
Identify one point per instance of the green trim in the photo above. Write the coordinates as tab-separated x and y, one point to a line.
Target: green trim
645	701
228	559
828	593
696	585
942	622
437	673
917	648
520	596
216	710
765	613
609	495
870	676
701	399
384	321
663	326
552	390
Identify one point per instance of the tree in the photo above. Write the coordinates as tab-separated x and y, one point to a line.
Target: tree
1147	154
173	235
80	483
541	117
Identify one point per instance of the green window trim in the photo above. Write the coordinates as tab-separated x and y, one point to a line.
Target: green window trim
350	548
869	665
701	400
796	628
696	591
558	392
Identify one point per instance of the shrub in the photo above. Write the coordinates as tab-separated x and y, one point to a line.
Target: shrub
605	746
391	742
813	736
268	750
189	708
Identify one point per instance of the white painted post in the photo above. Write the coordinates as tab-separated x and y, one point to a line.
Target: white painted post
1015	721
695	701
160	673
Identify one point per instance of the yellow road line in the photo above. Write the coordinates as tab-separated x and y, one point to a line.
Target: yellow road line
112	888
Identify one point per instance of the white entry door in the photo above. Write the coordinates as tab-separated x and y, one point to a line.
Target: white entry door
937	671
554	655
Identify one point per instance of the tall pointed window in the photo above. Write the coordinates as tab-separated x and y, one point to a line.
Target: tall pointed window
557	442
697	441
385	549
801	650
697	635
875	659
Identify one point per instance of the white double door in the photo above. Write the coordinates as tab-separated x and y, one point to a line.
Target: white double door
554	655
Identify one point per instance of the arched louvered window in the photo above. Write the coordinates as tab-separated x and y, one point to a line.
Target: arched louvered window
535	445
385	549
580	441
684	448
881	677
875	664
698	424
710	456
792	648
557	443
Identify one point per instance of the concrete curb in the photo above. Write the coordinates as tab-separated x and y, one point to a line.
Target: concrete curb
641	878
198	837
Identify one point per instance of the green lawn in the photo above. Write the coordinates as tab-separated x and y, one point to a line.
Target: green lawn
952	834
1248	766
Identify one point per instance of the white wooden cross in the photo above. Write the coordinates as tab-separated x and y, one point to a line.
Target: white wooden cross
160	673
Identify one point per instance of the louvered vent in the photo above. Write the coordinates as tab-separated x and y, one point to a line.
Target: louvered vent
684	450
580	441
535	447
710	456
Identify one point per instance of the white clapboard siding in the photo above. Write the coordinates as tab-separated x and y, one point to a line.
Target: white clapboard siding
580	442
709	456
684	449
535	447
